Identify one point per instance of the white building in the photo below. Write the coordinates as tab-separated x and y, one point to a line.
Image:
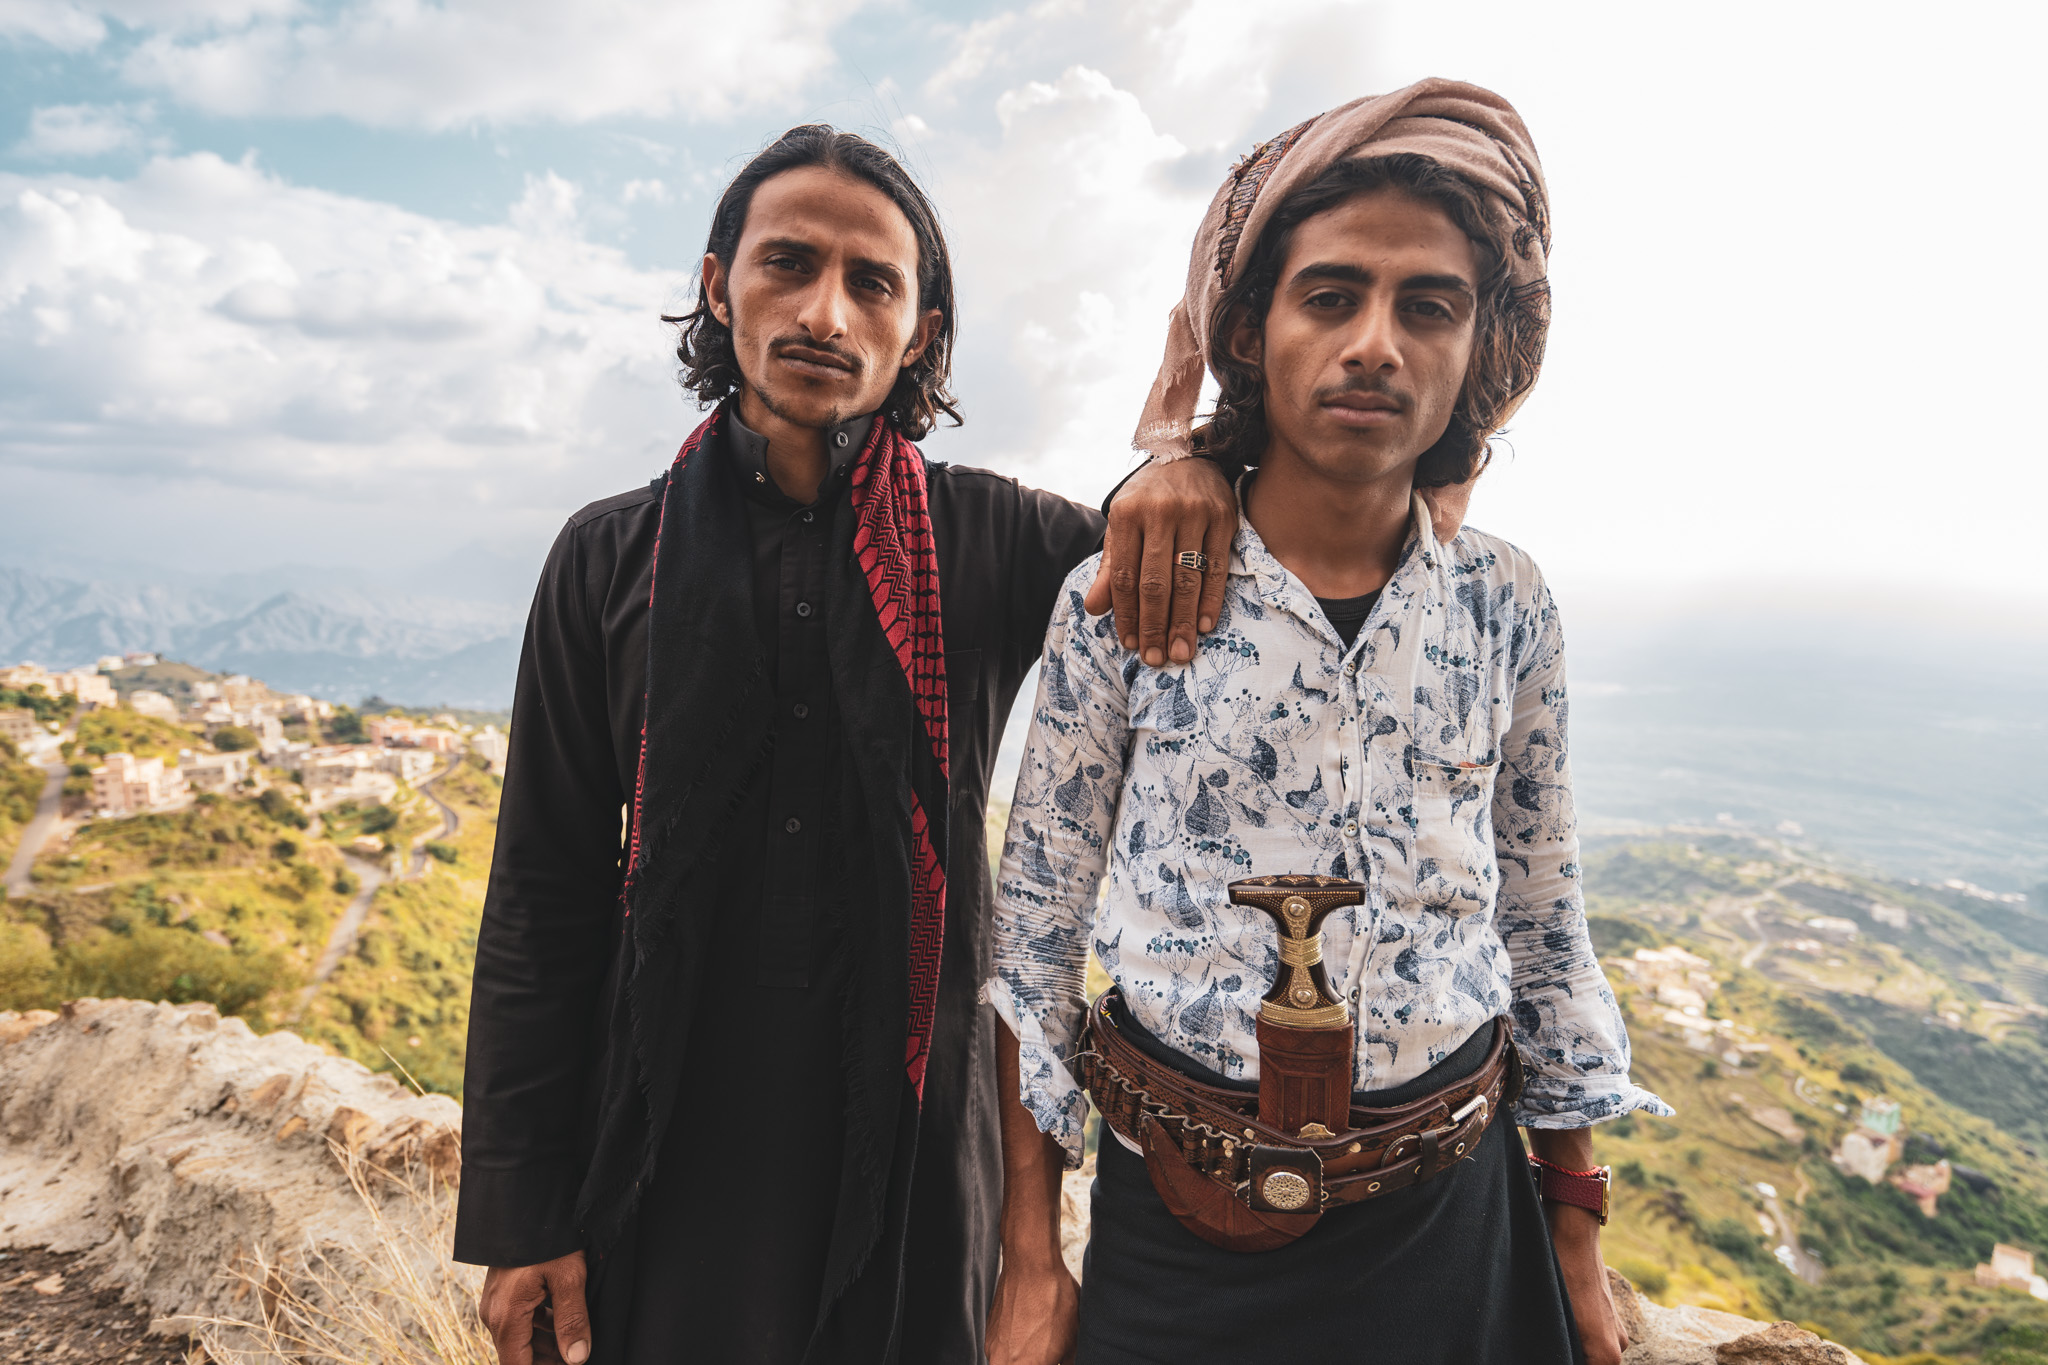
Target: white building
19	727
148	703
242	692
437	740
407	765
343	772
86	684
491	746
2012	1268
21	677
213	772
127	785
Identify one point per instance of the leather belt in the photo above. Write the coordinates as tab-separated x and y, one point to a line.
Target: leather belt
1217	1133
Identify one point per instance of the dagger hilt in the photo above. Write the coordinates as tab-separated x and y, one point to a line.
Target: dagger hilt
1301	995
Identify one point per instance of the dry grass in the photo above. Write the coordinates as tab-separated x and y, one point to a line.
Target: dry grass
398	1300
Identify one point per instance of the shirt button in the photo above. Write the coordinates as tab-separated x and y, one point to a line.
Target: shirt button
760	477
792	825
1354	995
1351	828
810	517
803	609
840	440
800	710
1351	668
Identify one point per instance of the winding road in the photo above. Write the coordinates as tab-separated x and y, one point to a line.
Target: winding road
373	875
40	826
450	821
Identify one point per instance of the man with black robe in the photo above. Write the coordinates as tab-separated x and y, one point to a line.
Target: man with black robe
727	1063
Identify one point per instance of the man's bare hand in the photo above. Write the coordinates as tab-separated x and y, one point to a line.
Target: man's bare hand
1575	1232
1165	509
535	1313
1036	1317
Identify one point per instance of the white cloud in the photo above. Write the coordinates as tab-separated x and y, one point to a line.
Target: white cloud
653	191
60	131
413	64
1064	281
210	322
66	27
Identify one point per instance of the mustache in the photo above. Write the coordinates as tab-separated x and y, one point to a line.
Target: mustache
1377	385
784	345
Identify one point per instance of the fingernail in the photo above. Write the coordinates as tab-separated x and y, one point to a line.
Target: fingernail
1181	651
1207	624
577	1353
1130	642
1153	658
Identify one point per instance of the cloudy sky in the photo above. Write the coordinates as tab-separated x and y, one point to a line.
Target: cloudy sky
355	282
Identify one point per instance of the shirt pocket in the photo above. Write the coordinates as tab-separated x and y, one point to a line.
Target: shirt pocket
1454	869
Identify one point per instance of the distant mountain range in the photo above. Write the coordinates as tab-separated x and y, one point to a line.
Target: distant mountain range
330	640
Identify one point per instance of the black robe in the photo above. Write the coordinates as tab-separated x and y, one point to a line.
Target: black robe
545	975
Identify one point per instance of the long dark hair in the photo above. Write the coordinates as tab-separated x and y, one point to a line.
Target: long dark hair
711	370
1507	347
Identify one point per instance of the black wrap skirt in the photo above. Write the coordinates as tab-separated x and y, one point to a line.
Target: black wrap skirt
1459	1270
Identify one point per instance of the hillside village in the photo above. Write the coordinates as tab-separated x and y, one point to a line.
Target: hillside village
244	725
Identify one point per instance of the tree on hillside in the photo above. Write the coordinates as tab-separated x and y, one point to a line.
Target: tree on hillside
346	727
231	739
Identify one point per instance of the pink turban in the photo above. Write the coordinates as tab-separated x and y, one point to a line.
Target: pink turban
1470	131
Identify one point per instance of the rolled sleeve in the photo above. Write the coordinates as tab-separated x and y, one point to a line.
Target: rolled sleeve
1055	854
1567	1023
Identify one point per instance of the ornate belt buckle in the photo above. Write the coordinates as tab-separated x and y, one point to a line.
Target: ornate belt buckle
1285	1180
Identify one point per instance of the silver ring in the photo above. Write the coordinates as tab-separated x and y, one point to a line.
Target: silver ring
1192	559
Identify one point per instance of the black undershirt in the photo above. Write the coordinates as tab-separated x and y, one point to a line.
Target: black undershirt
1347	614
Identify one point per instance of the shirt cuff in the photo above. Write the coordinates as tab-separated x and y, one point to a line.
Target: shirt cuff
1581	1102
1046	1085
514	1216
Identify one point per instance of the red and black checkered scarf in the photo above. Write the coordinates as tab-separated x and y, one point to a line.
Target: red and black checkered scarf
894	553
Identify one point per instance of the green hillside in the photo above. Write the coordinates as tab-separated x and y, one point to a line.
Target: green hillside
233	900
1895	995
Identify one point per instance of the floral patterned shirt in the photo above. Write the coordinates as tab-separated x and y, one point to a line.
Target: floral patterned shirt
1427	761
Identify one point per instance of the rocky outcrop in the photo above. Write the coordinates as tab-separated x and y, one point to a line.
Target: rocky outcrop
176	1147
1686	1335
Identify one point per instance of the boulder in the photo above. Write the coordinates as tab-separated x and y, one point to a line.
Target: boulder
1782	1343
1688	1335
176	1147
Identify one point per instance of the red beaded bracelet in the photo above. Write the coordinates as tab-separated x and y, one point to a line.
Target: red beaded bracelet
1589	1190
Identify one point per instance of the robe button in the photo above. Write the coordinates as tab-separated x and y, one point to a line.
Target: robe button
800	710
792	825
803	609
840	440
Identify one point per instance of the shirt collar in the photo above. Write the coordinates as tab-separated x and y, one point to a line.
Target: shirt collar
1250	558
749	451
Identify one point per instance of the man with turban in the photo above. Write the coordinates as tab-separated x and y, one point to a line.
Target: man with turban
1376	727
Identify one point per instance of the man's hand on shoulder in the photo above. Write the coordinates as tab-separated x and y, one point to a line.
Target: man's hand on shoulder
535	1313
1162	511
